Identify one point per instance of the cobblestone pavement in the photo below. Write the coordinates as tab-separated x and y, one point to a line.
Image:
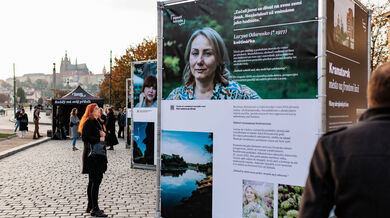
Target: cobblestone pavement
45	181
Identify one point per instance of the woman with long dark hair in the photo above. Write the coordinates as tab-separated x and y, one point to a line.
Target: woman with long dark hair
92	133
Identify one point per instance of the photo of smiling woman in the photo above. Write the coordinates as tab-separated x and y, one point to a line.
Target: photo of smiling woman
148	96
205	75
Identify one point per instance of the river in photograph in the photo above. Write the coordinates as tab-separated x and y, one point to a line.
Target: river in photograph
176	188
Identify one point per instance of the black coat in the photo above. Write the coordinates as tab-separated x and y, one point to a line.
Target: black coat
90	136
350	169
111	138
23	122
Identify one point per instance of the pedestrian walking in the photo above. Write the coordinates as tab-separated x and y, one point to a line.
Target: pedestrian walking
17	118
30	107
350	166
36	122
74	122
110	124
121	123
94	165
23	123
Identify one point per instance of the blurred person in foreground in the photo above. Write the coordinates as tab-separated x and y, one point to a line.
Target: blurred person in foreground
91	133
350	166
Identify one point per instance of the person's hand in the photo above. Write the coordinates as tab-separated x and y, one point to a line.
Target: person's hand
102	133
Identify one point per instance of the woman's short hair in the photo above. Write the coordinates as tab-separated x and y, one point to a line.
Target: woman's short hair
150	81
222	74
378	91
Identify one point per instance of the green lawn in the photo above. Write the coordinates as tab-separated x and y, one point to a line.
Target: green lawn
4	135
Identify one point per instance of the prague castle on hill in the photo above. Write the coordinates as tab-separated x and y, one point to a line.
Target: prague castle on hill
69	69
69	76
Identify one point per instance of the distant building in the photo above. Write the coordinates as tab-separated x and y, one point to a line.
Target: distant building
32	95
69	69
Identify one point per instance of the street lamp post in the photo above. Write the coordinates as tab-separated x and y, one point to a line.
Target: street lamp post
14	90
110	75
54	80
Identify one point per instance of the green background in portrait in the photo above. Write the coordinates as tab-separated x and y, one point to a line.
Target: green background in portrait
218	14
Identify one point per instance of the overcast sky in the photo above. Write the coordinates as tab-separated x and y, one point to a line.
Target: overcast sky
36	33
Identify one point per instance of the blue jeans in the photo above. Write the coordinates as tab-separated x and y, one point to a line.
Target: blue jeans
74	141
17	125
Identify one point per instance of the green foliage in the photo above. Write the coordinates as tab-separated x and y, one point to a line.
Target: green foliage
289	199
40	84
40	101
21	94
172	63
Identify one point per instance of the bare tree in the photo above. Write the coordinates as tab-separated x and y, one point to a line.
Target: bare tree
379	31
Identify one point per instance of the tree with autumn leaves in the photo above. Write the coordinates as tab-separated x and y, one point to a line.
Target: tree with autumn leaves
379	30
146	50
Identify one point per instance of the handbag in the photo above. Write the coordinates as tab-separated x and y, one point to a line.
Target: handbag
98	150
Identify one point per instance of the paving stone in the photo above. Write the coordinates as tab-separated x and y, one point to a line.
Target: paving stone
45	181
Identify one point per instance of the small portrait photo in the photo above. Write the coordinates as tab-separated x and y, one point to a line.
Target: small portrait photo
289	199
145	85
257	199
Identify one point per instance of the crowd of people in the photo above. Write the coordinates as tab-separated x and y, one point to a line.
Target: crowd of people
21	121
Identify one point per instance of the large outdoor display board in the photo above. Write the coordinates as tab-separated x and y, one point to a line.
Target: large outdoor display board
347	65
129	97
144	114
240	113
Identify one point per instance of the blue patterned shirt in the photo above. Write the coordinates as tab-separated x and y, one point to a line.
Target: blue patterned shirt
233	90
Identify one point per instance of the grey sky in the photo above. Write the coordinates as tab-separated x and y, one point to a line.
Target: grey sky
35	34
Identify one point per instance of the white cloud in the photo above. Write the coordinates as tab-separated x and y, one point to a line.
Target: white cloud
190	155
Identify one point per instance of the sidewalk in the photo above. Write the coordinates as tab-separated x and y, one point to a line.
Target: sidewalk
15	144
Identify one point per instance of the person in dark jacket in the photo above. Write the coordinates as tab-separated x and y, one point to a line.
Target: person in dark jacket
92	133
23	128
17	118
110	125
121	123
350	166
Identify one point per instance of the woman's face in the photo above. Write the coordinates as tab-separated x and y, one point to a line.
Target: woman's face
150	93
75	112
96	112
250	194
203	60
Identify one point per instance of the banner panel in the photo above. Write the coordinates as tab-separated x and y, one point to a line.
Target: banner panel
347	62
144	113
128	113
247	140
